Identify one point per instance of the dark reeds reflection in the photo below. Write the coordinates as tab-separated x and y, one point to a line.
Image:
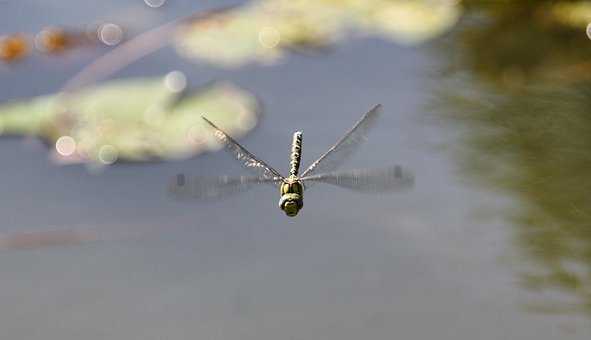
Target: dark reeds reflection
520	88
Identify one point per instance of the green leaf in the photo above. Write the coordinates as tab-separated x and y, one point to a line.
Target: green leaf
263	30
132	120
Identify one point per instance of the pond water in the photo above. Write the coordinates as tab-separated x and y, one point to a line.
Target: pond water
442	261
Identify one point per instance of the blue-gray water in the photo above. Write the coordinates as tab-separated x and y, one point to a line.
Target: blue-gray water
434	263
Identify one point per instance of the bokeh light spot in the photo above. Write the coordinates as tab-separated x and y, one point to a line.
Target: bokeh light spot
110	34
589	30
65	146
195	135
269	37
175	81
108	154
155	3
52	40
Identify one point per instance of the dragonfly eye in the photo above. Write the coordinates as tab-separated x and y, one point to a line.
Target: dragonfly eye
291	188
284	188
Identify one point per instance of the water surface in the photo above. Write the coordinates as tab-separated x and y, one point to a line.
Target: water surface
438	262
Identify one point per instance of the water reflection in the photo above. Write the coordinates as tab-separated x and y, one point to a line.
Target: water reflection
520	86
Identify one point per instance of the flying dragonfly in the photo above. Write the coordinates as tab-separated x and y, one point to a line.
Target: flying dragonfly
292	187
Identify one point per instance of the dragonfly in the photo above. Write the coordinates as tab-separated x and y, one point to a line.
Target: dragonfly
291	187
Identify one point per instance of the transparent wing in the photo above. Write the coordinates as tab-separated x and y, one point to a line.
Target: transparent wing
367	180
247	159
206	188
339	152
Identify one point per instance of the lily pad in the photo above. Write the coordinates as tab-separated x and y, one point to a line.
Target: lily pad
132	120
264	30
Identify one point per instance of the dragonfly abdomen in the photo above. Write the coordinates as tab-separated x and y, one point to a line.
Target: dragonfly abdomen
296	153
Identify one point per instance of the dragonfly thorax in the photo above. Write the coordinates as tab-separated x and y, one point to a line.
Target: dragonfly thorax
292	196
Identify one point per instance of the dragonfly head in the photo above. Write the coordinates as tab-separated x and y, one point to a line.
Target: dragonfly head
292	197
290	205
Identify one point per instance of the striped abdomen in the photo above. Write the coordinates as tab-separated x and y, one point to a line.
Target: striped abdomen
296	153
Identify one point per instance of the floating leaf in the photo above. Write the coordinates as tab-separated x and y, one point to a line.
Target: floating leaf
575	14
411	22
132	120
263	30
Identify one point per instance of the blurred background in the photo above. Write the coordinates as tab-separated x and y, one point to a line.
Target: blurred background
485	102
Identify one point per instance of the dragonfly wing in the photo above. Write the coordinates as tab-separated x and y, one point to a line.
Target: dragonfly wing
206	188
367	180
345	147
247	159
